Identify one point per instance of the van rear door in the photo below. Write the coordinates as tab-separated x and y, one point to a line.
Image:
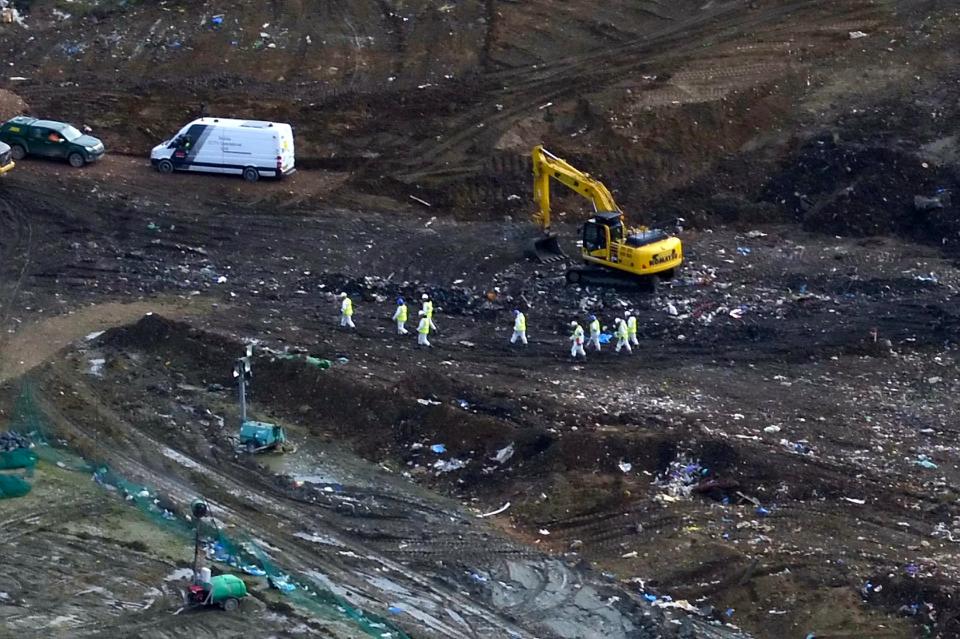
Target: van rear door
285	152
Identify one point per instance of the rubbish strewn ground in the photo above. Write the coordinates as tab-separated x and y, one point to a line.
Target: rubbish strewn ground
778	456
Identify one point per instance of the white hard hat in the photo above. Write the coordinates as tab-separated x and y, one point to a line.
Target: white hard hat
424	297
618	320
423	313
573	323
343	294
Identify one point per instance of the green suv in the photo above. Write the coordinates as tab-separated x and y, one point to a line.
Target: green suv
30	136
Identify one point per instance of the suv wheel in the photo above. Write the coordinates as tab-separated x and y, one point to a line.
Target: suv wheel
76	160
17	152
250	174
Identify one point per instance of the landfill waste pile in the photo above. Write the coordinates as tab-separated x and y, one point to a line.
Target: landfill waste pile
420	448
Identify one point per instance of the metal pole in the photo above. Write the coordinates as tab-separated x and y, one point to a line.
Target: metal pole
196	553
243	393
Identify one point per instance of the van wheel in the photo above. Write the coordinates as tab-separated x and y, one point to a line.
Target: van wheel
76	160
250	174
165	167
17	152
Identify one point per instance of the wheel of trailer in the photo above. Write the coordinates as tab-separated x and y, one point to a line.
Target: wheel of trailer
17	152
76	160
165	167
231	604
573	276
250	174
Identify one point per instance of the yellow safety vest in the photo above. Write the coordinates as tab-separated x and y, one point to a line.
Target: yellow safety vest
424	327
632	325
578	333
622	331
595	327
428	309
402	313
520	324
347	307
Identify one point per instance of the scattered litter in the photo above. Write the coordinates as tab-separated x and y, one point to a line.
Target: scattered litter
856	35
680	478
281	583
544	531
395	610
438	448
96	366
924	462
449	465
428	402
496	512
852	500
772	429
12	440
504	454
256	571
681	604
625	467
416	199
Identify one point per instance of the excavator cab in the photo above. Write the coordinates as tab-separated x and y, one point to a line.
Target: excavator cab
602	230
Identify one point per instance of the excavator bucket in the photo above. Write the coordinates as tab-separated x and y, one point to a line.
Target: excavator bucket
546	249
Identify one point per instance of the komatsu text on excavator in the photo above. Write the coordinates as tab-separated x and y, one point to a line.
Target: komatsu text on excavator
611	252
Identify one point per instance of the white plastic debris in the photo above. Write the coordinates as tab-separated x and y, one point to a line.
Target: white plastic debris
504	454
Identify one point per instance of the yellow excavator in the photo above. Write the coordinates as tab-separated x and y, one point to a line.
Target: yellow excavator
611	252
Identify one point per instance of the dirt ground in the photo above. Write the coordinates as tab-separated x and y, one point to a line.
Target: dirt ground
777	458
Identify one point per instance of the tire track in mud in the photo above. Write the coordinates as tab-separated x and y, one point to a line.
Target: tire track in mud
16	242
529	88
359	562
229	500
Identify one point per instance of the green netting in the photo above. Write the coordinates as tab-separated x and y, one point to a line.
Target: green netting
19	458
237	550
12	486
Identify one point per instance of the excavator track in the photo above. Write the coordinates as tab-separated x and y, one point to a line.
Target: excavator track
589	275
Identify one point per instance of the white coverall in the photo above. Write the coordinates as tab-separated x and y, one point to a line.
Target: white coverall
632	329
595	334
519	329
623	337
577	346
346	313
400	317
428	311
423	330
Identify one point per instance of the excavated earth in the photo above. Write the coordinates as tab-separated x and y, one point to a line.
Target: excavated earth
777	458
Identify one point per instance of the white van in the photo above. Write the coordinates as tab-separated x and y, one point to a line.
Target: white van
251	148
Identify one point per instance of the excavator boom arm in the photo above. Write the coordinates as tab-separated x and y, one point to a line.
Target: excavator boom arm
547	166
